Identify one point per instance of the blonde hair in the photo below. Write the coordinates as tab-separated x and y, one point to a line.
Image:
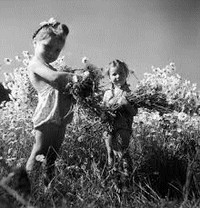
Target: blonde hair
118	64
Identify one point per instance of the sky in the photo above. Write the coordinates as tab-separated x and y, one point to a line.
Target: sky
143	33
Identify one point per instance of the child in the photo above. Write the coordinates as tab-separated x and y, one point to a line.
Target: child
117	141
54	108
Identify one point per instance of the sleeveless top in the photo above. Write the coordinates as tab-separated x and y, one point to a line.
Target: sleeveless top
124	116
53	107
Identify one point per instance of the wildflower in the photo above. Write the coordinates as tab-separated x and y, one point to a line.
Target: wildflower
188	94
85	60
6	76
172	145
155	70
2	104
16	70
40	158
17	105
156	116
80	138
18	58
25	62
26	54
11	76
96	120
194	86
172	64
7	61
9	105
182	116
10	85
51	21
83	167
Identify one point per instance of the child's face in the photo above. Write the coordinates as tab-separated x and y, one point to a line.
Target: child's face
117	76
48	49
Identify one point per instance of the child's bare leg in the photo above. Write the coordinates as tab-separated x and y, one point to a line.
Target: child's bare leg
108	143
49	138
37	148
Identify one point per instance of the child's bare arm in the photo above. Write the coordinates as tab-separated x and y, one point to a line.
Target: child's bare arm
49	74
106	97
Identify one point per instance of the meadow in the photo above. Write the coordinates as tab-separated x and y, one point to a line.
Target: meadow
164	147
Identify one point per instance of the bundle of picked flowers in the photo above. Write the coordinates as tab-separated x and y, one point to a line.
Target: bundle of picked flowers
152	99
85	88
87	91
85	81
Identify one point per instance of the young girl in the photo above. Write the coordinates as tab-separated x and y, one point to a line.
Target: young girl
54	108
117	141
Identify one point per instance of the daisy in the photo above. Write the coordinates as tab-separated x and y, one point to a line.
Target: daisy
182	116
7	61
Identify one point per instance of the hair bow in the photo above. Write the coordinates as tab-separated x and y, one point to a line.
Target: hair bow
51	21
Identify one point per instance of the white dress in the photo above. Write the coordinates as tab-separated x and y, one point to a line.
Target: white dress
47	110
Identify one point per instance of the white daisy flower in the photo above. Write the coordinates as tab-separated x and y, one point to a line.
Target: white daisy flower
18	58
51	21
7	61
182	116
26	54
40	158
85	60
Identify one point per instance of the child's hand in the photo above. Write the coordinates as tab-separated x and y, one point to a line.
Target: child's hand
85	75
80	76
122	101
75	78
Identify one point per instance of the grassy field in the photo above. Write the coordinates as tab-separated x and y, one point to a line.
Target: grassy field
164	149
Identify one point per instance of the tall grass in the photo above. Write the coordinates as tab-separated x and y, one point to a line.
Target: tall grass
164	149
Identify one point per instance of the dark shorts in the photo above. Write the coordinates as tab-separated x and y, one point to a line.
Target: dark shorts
49	136
121	139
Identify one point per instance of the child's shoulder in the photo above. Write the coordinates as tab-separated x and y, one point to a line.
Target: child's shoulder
37	67
33	64
107	92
